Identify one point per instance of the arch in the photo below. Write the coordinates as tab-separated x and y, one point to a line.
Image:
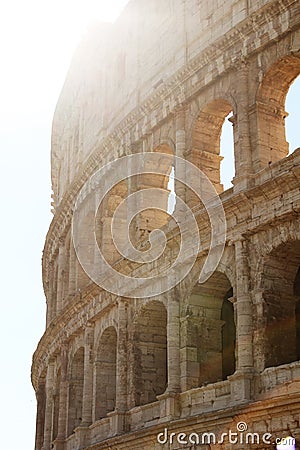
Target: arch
163	136
104	218
270	103
206	134
150	353
105	373
280	324
76	390
208	333
151	219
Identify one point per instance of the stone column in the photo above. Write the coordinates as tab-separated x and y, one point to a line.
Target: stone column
180	137
173	306
88	375
61	268
51	294
242	143
244	308
241	379
117	417
49	406
121	387
40	417
169	400
63	394
173	340
72	268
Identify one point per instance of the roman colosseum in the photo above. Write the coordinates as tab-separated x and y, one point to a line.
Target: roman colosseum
211	363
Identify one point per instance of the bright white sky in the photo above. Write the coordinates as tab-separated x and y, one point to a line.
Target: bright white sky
37	39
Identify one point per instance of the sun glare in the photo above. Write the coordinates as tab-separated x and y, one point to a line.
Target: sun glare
104	10
37	40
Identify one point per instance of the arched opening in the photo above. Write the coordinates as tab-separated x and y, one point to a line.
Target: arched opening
150	353
105	368
171	188
206	139
227	169
280	313
104	220
150	219
292	121
76	391
271	114
207	338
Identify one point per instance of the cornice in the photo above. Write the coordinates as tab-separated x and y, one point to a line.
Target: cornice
169	96
93	301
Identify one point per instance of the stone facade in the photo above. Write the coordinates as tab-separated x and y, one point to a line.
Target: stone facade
113	372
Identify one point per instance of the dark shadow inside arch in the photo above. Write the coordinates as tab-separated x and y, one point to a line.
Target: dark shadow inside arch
150	353
281	309
208	333
76	391
105	368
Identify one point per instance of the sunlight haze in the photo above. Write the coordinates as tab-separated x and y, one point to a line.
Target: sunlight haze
38	39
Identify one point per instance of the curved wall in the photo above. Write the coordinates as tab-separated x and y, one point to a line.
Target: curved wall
111	372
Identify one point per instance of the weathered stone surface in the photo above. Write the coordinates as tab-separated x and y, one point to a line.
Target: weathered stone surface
113	372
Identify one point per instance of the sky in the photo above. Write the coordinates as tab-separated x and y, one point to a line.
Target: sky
37	40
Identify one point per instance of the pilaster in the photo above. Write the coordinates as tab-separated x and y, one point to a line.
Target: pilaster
63	395
49	406
241	379
88	375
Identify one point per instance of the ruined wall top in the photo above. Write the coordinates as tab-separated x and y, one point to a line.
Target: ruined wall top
117	67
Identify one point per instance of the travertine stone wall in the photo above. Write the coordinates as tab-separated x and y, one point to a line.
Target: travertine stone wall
110	371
